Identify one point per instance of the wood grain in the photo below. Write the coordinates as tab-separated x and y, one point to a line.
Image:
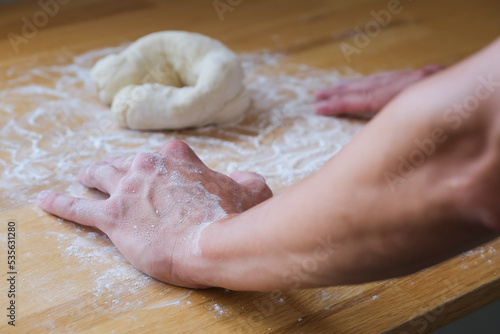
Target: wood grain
62	293
71	293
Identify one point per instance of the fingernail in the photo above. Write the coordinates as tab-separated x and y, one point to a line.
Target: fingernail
42	195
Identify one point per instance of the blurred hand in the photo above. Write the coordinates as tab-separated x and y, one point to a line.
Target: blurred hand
368	94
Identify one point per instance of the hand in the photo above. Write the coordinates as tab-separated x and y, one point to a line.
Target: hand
158	206
368	94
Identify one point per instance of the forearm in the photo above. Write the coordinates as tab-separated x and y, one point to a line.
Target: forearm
329	231
347	223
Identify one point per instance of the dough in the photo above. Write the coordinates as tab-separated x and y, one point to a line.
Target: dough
172	80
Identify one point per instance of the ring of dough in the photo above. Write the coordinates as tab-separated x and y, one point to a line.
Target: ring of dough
172	80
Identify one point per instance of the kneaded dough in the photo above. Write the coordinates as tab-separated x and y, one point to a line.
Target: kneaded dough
172	80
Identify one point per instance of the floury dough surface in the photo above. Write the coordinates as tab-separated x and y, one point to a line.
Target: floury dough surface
172	80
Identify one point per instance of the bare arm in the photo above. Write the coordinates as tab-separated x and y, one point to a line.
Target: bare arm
418	185
365	216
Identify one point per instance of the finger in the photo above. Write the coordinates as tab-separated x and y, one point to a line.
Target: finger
402	82
255	183
348	104
373	99
403	78
323	94
79	210
101	176
121	163
342	88
362	84
433	68
179	150
389	90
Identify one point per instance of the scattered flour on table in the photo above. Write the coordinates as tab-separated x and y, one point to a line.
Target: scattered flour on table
219	310
116	285
61	125
96	251
52	123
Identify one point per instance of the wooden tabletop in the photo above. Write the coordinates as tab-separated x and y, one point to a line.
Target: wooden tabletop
71	279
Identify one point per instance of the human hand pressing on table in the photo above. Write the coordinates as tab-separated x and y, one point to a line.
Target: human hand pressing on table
158	206
368	94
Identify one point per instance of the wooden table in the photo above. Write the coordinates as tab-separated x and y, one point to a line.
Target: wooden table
71	279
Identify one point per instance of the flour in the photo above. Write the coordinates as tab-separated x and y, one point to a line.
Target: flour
116	285
175	302
60	125
52	123
194	194
218	309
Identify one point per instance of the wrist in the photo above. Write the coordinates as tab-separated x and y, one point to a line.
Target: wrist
236	254
202	264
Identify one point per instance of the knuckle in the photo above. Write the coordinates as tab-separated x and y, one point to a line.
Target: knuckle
176	148
125	162
114	210
144	161
72	208
93	169
130	184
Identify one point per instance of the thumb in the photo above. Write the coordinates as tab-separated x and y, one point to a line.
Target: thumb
255	183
